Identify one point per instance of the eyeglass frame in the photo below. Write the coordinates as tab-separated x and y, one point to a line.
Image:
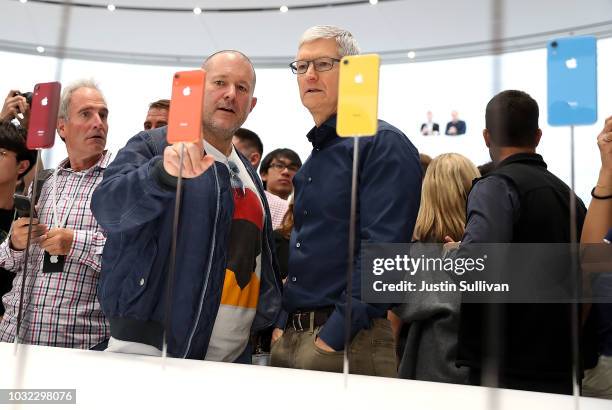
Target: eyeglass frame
280	166
294	69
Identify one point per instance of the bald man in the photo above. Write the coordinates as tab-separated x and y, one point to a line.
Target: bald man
225	285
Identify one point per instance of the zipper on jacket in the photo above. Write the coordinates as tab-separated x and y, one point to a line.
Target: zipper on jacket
266	240
210	260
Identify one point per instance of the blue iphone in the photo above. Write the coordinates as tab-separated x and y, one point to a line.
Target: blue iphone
572	80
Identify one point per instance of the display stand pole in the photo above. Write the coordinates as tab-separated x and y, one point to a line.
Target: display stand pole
172	266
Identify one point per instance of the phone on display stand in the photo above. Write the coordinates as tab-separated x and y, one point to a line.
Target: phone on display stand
185	117
358	96
572	80
43	115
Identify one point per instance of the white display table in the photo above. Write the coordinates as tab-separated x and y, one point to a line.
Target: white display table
116	381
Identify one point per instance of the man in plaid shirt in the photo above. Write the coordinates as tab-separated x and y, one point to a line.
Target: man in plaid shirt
60	304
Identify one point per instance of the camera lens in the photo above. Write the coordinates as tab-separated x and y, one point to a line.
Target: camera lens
554	44
176	76
345	62
28	97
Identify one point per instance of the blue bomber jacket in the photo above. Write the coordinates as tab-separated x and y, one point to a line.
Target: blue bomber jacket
135	205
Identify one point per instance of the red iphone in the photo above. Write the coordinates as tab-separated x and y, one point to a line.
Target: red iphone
43	115
185	118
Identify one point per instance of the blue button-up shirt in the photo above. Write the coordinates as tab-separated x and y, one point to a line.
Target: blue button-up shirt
389	193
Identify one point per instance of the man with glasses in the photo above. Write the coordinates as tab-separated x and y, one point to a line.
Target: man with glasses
312	333
277	171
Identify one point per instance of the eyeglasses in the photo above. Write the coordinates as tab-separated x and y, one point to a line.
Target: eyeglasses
280	167
320	64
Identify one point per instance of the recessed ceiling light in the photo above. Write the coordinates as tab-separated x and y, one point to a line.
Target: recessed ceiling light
411	54
40	49
373	2
111	7
284	9
23	1
197	11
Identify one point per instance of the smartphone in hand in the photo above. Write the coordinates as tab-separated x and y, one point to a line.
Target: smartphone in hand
185	117
22	204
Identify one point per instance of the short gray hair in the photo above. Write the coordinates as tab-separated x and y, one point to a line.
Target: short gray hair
64	107
347	45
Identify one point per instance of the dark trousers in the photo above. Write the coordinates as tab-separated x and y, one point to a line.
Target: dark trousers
372	351
539	383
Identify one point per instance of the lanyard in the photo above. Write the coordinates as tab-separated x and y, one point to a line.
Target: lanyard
56	223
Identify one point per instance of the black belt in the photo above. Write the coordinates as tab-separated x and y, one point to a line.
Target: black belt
308	320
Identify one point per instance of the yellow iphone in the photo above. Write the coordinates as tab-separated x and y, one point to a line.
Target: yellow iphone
358	96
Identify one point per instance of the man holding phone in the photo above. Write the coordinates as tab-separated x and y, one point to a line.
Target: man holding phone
389	195
15	161
225	284
64	265
16	107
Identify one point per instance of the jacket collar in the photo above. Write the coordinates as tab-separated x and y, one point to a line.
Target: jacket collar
102	163
524	158
320	136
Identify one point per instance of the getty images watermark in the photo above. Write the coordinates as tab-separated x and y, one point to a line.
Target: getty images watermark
482	273
412	265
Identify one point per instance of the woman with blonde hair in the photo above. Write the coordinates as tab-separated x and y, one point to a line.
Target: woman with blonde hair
428	322
446	185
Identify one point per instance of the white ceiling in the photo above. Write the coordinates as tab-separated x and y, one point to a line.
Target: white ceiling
435	29
214	4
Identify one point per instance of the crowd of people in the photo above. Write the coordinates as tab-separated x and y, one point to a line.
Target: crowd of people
261	256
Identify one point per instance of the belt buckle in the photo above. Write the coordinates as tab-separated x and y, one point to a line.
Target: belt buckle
299	320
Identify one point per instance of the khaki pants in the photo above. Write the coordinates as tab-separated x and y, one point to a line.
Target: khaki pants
597	382
372	352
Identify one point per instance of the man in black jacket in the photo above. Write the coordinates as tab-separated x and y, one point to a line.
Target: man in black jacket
519	202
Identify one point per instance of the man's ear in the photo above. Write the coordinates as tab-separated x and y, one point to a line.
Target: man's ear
253	102
538	137
487	137
254	158
22	166
61	128
264	176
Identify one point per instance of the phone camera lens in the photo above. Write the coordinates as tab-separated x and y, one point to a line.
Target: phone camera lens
554	44
345	62
176	76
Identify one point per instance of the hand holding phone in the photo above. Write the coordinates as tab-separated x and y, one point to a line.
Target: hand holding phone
14	104
19	233
195	160
23	206
185	116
